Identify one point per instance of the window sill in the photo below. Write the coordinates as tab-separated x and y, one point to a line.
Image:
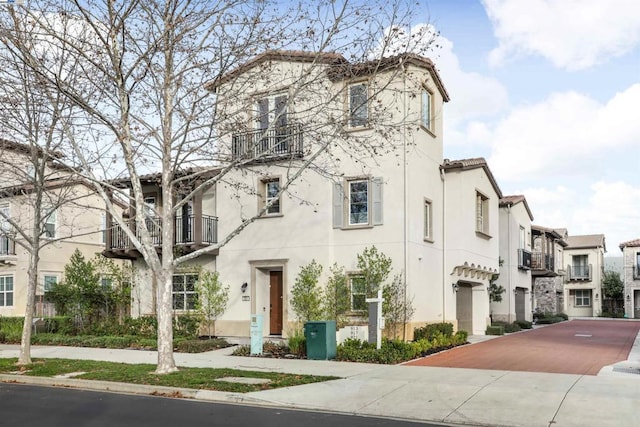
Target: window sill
351	129
356	227
484	235
278	215
427	130
429	239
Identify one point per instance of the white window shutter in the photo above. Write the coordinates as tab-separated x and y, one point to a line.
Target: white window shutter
338	208
377	200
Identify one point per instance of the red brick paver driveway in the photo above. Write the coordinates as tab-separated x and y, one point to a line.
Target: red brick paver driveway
576	347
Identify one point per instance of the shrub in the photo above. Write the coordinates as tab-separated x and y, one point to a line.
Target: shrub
59	325
145	326
512	327
431	331
495	330
12	328
200	346
298	343
523	324
563	316
460	337
242	350
186	326
549	320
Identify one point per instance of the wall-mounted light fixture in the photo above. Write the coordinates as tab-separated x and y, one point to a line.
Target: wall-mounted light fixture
243	288
628	297
455	287
596	296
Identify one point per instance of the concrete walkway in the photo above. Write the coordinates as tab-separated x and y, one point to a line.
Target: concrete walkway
449	395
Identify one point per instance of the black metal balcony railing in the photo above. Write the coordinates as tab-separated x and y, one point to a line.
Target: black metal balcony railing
266	144
524	259
184	232
541	261
7	246
579	272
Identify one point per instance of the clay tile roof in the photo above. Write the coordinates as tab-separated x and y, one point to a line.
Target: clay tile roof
473	163
339	67
586	241
514	200
630	244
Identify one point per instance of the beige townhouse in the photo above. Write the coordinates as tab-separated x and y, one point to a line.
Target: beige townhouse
74	220
584	258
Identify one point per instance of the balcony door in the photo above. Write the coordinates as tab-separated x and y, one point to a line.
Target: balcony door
580	266
271	118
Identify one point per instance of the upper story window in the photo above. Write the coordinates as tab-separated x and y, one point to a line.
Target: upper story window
428	221
149	206
50	225
357	203
49	281
270	187
522	238
358	105
271	111
580	266
5	213
426	119
482	213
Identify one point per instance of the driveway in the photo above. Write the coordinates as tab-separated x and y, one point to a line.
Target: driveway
580	347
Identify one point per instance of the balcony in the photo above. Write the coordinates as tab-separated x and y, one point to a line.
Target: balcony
281	142
524	259
191	233
541	261
579	273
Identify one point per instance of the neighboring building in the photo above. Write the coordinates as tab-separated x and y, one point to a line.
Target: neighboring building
73	225
584	257
395	200
631	278
472	199
547	272
515	257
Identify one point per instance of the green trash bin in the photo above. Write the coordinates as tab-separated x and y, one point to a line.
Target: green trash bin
321	339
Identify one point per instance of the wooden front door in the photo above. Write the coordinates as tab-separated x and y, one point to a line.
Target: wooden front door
275	312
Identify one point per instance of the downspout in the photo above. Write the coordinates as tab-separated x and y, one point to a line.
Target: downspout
405	248
444	246
510	291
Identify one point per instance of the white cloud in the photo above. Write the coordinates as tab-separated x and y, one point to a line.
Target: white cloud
554	135
572	34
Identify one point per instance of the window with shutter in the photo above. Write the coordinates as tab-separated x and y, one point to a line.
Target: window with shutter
358	203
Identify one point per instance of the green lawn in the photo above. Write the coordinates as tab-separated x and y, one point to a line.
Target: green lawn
196	378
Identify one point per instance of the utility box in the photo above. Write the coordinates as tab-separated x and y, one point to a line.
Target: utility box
321	339
257	322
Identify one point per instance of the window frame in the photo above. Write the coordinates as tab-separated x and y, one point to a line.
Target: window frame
353	121
4	292
428	220
263	196
45	283
585	295
361	294
350	203
482	219
426	109
184	293
49	226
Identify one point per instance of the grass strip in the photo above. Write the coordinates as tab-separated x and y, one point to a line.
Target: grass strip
195	378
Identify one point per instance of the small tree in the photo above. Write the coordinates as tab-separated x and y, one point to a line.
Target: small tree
117	295
613	292
397	307
375	268
213	297
307	301
495	290
336	296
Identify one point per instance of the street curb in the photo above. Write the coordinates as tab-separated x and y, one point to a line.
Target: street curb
141	389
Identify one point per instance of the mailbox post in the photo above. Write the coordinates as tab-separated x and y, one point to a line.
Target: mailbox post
257	321
376	321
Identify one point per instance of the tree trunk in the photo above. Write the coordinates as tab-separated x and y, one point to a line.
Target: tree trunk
166	361
25	343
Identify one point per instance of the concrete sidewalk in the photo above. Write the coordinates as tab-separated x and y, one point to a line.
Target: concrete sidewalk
457	396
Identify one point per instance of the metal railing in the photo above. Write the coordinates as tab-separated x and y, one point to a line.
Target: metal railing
541	261
579	272
184	231
266	144
524	259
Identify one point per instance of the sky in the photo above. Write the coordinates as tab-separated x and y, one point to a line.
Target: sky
548	92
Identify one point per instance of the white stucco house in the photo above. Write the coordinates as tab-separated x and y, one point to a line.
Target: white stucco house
584	258
515	257
364	142
631	277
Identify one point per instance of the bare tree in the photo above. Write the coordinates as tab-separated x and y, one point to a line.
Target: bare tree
34	181
156	90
